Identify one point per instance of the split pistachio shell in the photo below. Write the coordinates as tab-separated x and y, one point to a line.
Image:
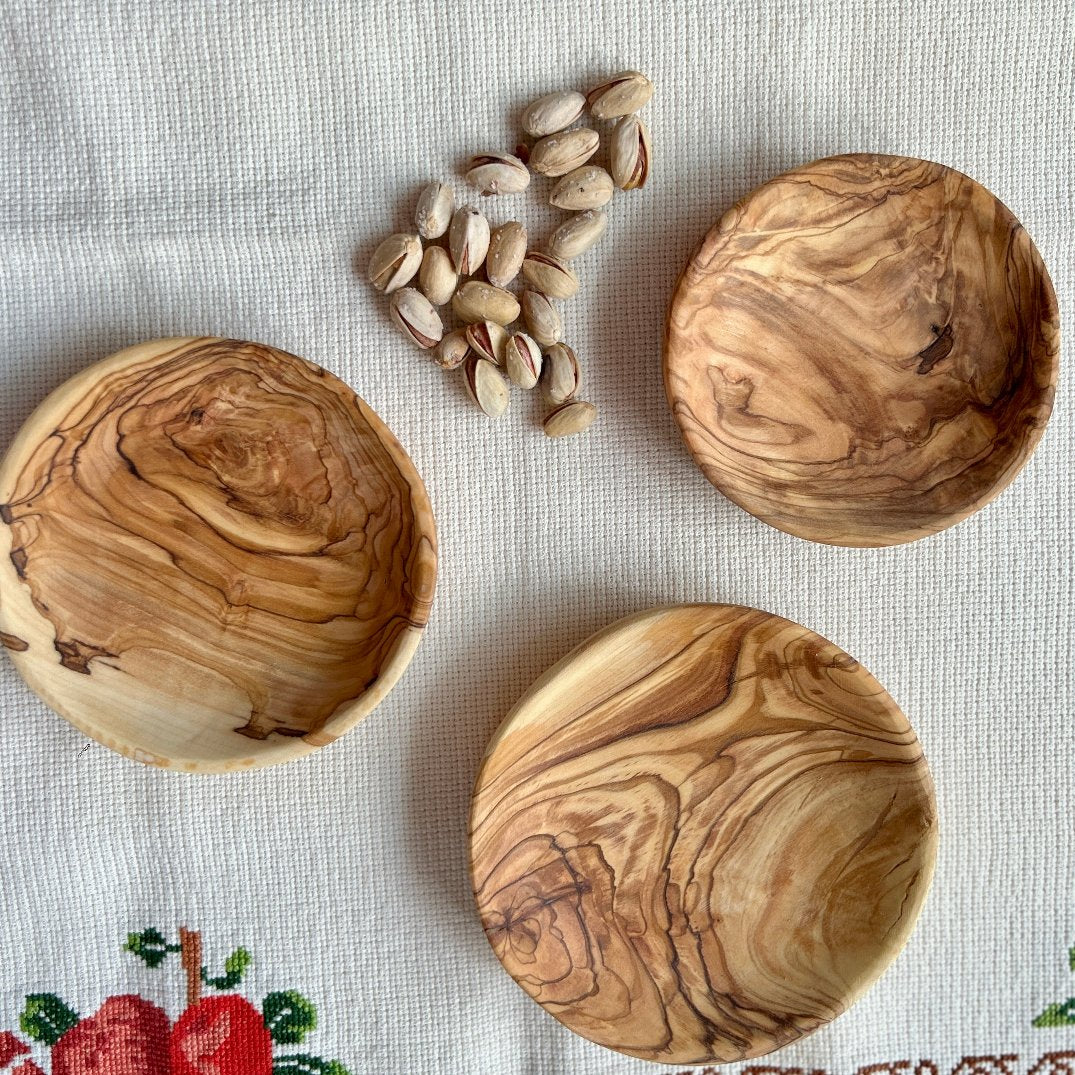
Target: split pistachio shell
558	154
468	240
588	187
486	385
560	374
434	212
522	359
395	262
452	351
549	275
552	113
577	234
629	153
498	173
507	248
415	317
488	339
477	301
437	277
569	418
542	318
619	96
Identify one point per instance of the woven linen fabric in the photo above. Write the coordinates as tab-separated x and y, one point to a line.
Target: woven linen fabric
194	167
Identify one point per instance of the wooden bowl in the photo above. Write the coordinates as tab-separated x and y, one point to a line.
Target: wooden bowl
863	351
701	835
213	555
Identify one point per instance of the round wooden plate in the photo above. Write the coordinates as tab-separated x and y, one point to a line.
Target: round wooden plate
863	351
213	554
701	835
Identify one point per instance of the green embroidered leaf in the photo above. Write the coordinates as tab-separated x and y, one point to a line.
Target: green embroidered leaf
150	946
289	1017
235	966
1057	1015
1071	958
301	1064
46	1018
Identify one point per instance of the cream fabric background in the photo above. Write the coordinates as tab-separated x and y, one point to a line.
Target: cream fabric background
192	167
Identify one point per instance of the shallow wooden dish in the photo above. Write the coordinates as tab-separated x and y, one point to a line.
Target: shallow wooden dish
213	555
863	351
701	835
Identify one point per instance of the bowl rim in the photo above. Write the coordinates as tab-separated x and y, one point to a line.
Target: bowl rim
1049	366
276	749
883	959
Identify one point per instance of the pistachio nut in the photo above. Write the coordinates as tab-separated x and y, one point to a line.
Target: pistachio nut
488	339
569	418
486	385
627	92
552	113
477	301
558	154
468	239
507	248
395	262
434	212
629	153
437	278
577	234
560	374
549	275
522	359
588	187
498	173
542	318
452	351
415	317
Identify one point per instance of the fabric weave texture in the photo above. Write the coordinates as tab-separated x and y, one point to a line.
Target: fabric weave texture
196	167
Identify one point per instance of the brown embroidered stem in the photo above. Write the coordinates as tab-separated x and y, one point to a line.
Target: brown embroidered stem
190	947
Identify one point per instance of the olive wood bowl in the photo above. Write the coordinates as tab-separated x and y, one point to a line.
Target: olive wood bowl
702	835
864	350
213	554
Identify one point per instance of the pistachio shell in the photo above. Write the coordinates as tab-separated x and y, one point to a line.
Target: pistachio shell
507	248
549	275
558	154
629	153
627	92
522	359
486	385
488	339
498	173
478	301
434	212
395	262
541	317
577	234
468	239
560	374
552	113
415	317
588	187
437	277
452	351
569	418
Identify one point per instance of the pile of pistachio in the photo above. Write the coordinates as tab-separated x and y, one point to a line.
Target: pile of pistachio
486	342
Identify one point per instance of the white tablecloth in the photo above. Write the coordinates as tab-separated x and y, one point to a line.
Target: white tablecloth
188	167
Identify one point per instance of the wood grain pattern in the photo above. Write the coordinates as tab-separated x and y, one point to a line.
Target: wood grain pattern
701	835
863	351
214	555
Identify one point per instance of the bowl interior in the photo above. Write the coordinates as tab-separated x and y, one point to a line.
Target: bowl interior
216	556
864	350
702	835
